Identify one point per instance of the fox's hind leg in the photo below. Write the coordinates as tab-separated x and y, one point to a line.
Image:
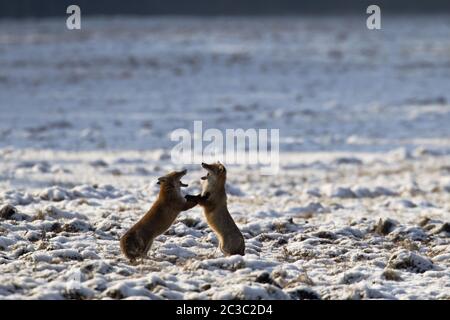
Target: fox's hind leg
146	249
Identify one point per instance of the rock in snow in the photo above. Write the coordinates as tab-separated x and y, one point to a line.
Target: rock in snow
410	261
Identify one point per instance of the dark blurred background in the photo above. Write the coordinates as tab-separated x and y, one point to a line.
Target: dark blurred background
46	8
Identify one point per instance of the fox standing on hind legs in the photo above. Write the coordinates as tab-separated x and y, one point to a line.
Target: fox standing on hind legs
213	199
136	242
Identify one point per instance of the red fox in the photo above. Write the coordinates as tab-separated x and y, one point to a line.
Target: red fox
136	242
213	199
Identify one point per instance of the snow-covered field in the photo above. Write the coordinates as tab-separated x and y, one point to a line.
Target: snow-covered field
359	209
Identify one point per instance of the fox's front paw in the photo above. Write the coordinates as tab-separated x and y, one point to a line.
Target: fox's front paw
190	197
205	196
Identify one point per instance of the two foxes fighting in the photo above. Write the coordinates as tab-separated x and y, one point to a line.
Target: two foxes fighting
136	242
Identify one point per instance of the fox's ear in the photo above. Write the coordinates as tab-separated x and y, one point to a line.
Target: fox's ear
221	167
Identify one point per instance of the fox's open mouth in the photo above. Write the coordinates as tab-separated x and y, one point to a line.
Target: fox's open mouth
183	184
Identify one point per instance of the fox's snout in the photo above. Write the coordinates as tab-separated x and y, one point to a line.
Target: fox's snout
215	168
181	173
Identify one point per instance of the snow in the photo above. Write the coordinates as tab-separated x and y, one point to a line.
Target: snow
360	208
